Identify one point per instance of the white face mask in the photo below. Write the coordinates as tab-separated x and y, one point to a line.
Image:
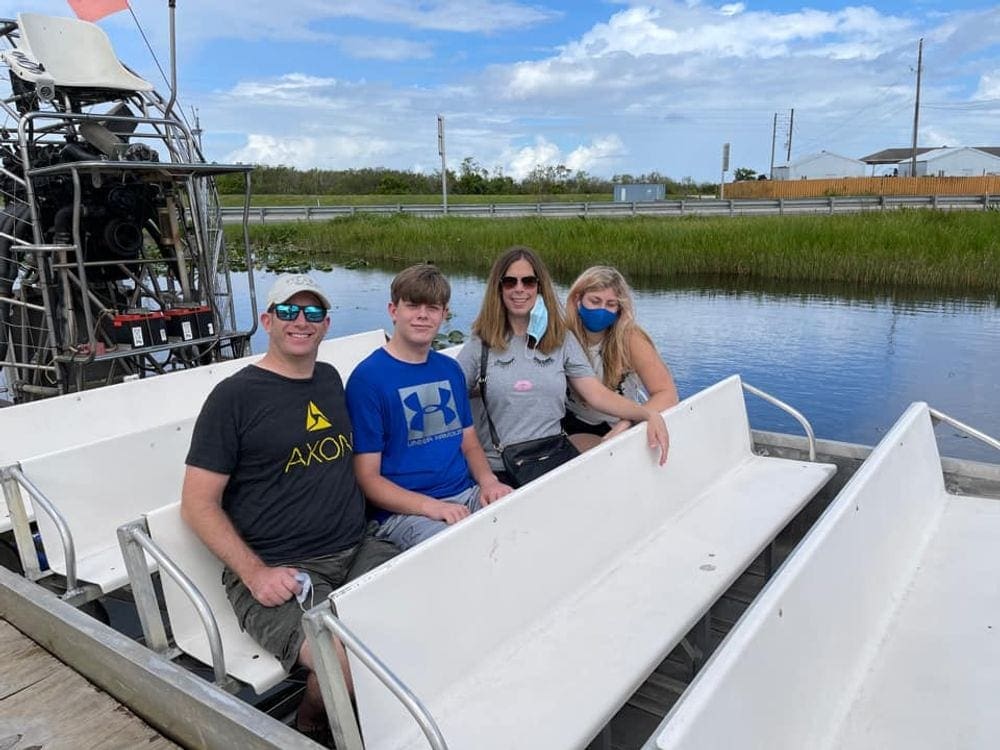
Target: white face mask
306	592
538	322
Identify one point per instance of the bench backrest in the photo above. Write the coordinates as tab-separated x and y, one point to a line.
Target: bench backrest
99	486
512	562
245	659
786	673
55	424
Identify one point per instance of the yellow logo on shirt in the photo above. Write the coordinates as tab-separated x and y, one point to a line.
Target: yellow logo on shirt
315	419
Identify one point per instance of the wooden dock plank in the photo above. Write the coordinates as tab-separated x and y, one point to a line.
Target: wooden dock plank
44	703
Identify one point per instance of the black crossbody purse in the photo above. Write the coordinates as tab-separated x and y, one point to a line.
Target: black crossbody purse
529	459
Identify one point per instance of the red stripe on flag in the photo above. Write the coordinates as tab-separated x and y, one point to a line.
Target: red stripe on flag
93	10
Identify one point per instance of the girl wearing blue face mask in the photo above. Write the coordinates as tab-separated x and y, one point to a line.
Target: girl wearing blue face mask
532	359
601	313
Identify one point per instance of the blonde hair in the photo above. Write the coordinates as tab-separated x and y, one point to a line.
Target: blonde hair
615	352
492	325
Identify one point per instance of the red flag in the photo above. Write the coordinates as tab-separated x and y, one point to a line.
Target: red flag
93	10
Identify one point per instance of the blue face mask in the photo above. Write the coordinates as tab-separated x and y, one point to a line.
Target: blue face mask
597	319
538	322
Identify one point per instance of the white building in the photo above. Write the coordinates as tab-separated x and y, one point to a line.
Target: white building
824	165
964	161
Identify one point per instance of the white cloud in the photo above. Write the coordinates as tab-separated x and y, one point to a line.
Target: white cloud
989	85
385	48
544	153
445	15
330	152
596	155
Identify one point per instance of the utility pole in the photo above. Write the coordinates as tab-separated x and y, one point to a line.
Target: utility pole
774	139
791	125
444	169
916	108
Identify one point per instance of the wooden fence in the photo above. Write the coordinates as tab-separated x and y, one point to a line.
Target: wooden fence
987	184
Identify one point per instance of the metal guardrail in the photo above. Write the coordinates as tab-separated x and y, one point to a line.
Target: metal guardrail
679	207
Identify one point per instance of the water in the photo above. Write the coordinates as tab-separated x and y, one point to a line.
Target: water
850	361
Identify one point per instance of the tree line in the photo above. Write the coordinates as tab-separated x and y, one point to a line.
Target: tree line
471	179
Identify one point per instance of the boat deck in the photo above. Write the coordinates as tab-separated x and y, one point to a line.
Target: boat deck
44	703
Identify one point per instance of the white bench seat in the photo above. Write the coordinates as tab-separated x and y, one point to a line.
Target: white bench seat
881	630
531	623
934	682
97	487
245	659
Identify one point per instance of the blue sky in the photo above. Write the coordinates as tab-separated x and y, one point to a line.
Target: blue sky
606	86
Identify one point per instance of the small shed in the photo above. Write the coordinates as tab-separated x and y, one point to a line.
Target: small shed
639	192
821	166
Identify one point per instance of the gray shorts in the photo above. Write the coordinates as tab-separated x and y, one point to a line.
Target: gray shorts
406	531
279	629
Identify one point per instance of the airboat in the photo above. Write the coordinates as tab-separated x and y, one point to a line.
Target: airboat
113	262
586	609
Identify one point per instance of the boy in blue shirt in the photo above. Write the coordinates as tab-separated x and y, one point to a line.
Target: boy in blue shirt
416	454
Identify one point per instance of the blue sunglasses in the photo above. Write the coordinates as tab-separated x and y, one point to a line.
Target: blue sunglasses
313	313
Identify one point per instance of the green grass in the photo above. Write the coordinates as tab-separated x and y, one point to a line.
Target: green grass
916	248
392	200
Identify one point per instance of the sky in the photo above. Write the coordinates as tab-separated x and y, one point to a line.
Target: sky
606	86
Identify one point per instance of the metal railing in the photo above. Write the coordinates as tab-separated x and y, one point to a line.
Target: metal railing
972	432
795	413
317	622
134	540
41	502
677	207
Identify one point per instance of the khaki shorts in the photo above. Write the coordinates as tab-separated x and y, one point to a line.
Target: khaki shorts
279	629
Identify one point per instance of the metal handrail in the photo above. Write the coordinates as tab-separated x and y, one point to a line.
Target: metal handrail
69	548
962	427
790	410
404	695
195	596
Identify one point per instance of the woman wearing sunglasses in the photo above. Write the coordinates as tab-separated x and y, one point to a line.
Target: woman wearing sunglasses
531	359
600	311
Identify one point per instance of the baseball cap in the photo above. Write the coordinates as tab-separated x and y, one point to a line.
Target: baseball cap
288	285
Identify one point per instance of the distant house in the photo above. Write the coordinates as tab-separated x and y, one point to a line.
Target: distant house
959	161
954	162
824	165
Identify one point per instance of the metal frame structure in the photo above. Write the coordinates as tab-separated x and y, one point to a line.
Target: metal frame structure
95	227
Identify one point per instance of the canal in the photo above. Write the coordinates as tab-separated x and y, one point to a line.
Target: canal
850	359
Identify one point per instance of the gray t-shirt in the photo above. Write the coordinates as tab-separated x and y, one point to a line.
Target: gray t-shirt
526	389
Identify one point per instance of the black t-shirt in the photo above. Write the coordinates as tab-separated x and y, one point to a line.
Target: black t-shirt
286	445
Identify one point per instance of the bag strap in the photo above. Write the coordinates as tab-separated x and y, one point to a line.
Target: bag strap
482	394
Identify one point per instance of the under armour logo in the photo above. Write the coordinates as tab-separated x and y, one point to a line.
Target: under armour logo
420	410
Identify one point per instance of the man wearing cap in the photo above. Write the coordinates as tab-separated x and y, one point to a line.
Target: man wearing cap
270	487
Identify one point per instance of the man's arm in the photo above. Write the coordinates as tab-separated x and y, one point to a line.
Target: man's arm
389	496
201	509
490	488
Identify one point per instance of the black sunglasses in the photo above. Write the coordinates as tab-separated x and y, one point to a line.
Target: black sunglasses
509	282
313	313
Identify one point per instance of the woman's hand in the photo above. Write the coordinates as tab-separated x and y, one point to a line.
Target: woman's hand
656	432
